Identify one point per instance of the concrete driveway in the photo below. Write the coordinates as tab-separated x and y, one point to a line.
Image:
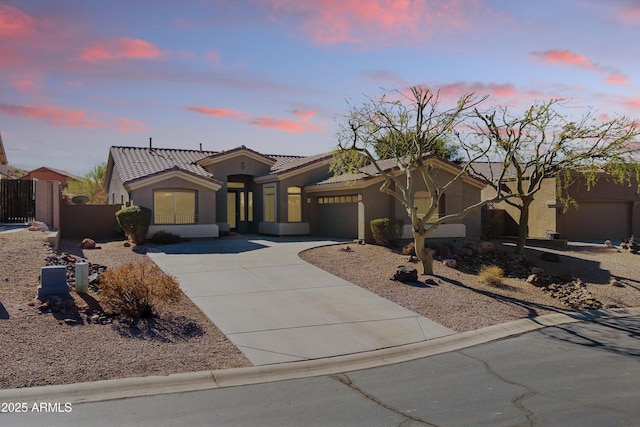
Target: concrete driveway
277	308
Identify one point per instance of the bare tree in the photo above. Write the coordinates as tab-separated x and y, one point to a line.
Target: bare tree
415	125
546	142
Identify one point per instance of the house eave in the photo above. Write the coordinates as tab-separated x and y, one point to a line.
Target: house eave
222	157
214	185
288	174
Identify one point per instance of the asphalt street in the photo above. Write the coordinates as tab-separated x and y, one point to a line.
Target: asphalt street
578	374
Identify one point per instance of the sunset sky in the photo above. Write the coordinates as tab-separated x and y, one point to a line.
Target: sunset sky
80	76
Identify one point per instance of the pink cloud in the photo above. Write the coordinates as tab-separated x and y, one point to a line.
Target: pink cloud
304	115
285	124
74	119
565	57
212	56
25	86
121	48
630	14
296	126
14	22
218	112
378	21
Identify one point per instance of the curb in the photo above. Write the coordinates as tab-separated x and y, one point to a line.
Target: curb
206	380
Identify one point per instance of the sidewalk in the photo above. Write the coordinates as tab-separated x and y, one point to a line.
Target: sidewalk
277	308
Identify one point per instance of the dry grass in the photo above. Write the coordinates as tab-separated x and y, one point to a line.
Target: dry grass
491	275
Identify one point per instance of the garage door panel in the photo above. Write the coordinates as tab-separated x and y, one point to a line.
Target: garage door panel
338	220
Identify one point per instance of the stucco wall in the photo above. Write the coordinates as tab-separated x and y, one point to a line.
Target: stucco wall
116	193
542	212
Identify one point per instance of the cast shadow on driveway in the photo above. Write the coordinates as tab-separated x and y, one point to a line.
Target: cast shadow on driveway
203	247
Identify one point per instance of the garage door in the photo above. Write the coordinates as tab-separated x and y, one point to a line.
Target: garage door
596	221
338	216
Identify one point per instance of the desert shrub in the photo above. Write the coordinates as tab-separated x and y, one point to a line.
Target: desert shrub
165	238
386	231
491	275
409	249
137	290
134	221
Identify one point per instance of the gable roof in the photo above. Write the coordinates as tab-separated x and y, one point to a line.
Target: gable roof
58	171
134	163
370	172
238	151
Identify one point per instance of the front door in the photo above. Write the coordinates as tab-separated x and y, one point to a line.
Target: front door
236	210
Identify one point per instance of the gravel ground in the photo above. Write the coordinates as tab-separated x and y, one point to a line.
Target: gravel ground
461	302
41	349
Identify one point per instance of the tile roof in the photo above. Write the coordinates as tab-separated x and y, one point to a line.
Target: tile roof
289	163
134	163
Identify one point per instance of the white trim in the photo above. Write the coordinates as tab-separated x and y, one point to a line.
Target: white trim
156	179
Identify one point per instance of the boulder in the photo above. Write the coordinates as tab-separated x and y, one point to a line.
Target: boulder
406	274
451	263
88	244
535	280
487	247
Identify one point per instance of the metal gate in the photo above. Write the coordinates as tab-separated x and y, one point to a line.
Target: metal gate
17	201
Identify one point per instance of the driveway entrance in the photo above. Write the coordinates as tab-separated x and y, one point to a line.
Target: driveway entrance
277	308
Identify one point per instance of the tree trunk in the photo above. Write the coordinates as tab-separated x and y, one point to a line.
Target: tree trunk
423	254
523	226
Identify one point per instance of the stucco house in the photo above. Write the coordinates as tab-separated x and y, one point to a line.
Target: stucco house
195	193
609	210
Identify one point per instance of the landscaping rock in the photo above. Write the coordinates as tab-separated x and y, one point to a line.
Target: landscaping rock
537	270
405	274
88	244
451	263
536	281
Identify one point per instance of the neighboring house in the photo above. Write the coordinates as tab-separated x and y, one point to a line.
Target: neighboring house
4	172
609	210
203	194
49	174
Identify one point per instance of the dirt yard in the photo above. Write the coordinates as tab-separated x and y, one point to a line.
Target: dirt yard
69	344
66	346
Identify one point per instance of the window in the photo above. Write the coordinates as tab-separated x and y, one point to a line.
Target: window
270	204
422	201
174	207
250	205
294	204
340	199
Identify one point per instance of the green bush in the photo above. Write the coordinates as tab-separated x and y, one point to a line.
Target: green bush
165	238
136	290
386	231
134	221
